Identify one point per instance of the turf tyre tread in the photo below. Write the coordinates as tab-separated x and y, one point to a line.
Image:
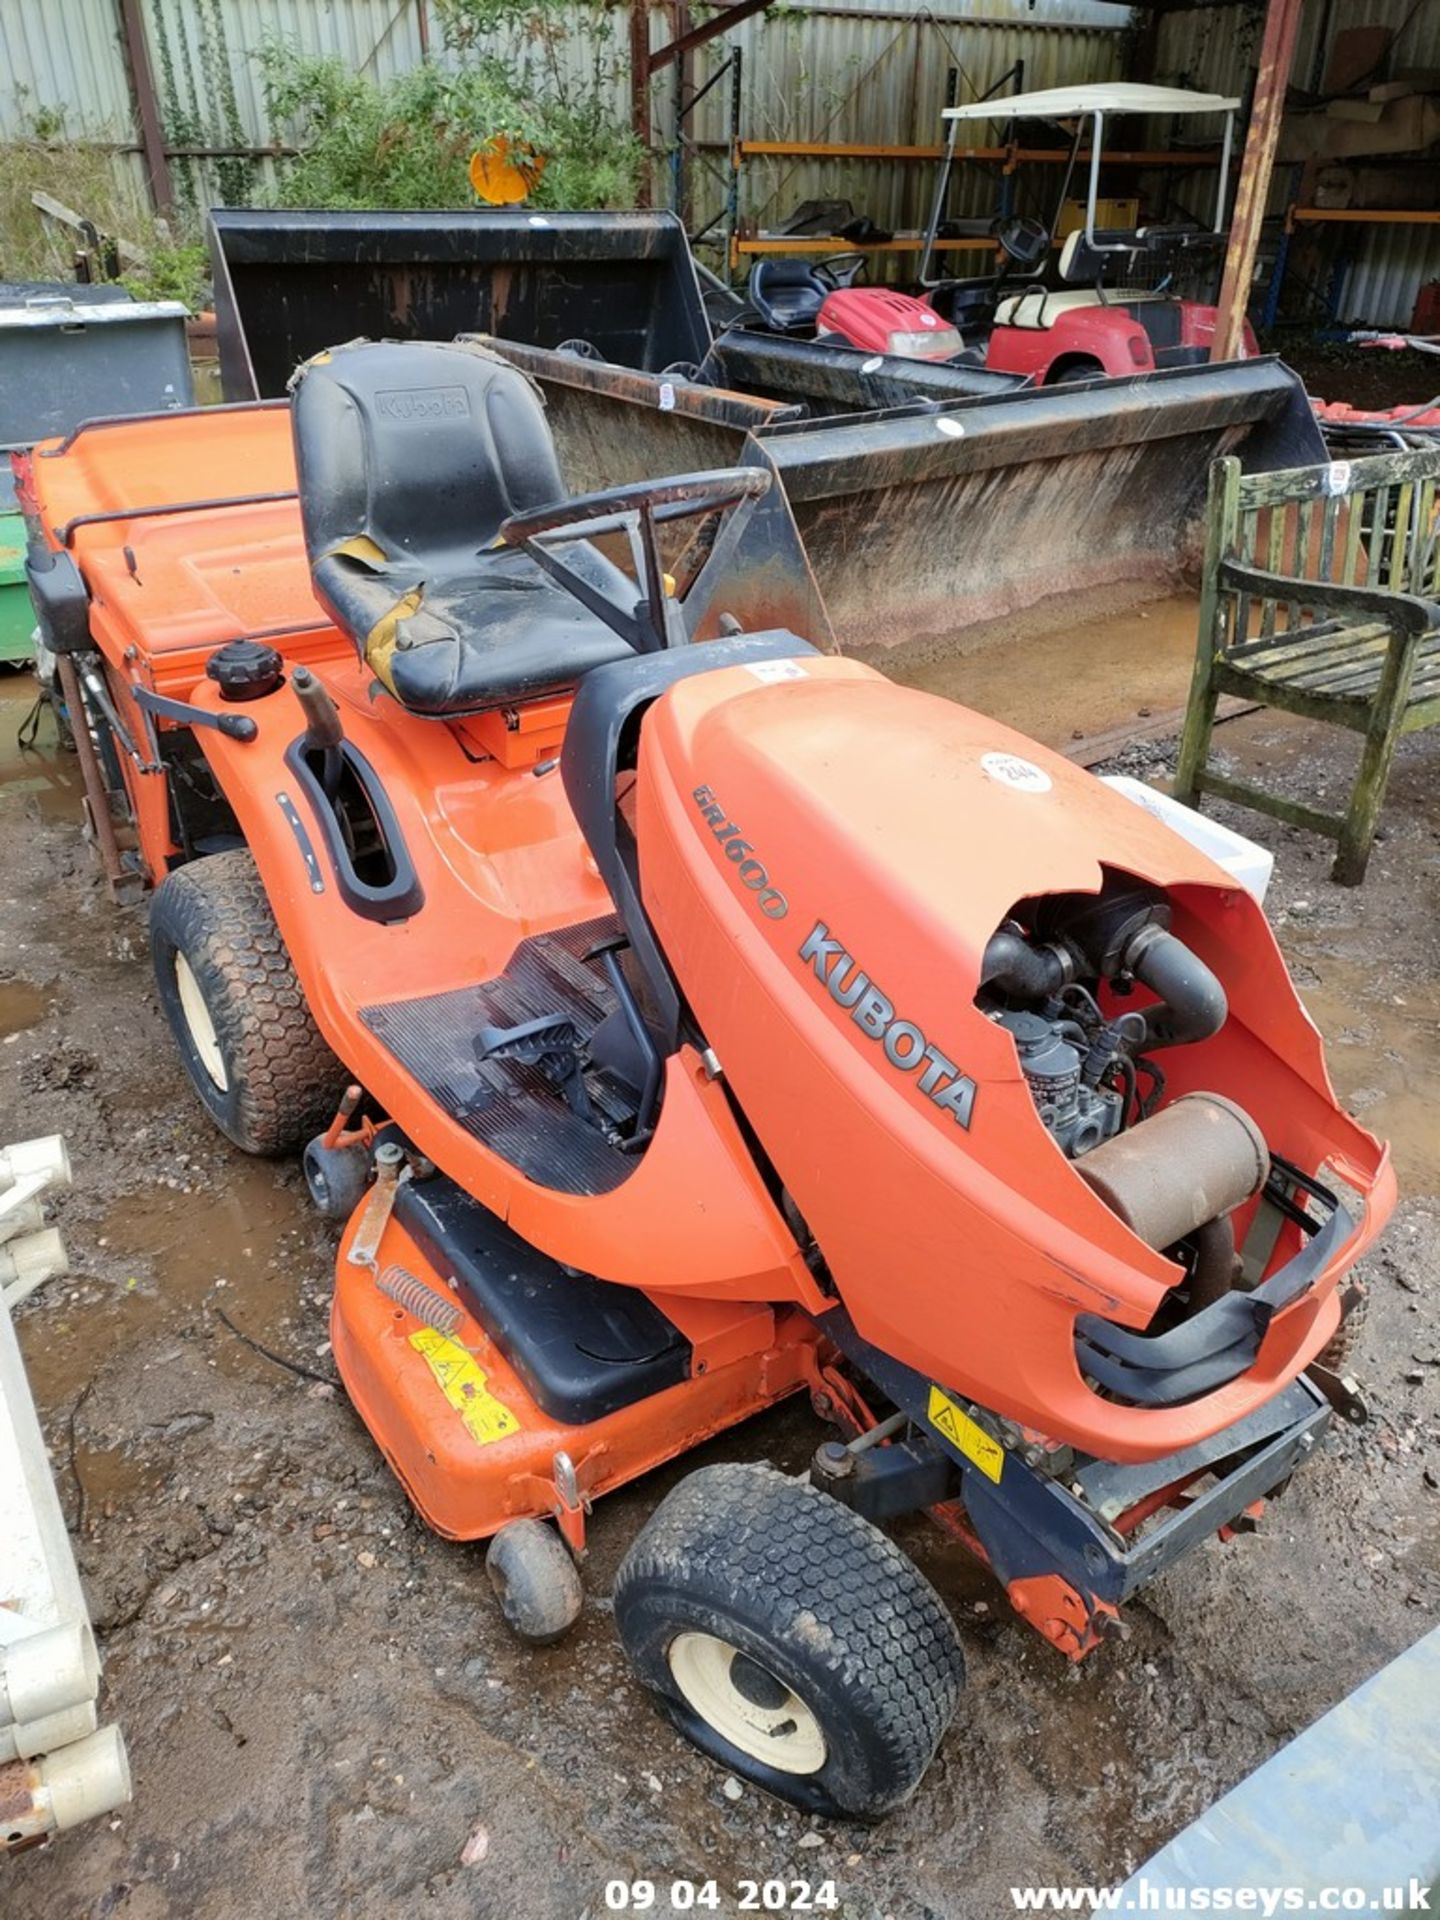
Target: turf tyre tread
823	1599
284	1081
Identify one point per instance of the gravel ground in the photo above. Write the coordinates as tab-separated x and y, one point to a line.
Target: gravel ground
324	1713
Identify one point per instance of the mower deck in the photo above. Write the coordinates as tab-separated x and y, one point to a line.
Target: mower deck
552	1388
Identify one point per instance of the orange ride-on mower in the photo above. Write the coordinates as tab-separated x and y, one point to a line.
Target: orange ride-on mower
731	1023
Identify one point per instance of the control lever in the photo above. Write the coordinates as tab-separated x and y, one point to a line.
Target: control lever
324	733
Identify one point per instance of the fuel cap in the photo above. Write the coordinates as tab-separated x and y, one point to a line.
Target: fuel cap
245	669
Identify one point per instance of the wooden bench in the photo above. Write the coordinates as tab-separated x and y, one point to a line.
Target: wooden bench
1319	597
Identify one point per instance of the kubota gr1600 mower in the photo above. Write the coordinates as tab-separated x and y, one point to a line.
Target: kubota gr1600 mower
731	1023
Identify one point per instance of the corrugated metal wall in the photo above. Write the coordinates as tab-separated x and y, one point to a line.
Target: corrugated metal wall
816	70
1372	273
838	76
811	72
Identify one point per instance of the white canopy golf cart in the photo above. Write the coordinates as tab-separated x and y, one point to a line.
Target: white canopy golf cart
1114	310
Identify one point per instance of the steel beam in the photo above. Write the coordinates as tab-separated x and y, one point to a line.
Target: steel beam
142	82
707	30
1277	50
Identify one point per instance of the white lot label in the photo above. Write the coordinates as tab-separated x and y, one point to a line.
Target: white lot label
1337	480
873	364
1011	771
667	397
777	670
952	429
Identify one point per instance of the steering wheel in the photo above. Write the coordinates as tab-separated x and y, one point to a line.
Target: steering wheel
655	621
1025	242
843	268
679	498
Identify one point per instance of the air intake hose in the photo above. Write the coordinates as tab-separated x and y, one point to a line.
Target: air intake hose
1125	929
1022	970
1193	1003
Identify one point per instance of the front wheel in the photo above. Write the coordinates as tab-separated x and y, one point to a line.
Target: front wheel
225	980
790	1639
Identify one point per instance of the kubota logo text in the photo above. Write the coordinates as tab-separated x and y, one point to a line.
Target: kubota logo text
749	871
423	403
906	1047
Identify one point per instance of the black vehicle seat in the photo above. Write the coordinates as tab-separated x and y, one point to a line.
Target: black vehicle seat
410	455
788	294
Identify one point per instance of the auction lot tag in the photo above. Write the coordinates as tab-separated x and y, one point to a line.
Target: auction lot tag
465	1385
962	1433
1011	771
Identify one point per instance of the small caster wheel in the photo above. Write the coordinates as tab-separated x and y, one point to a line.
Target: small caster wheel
535	1581
336	1176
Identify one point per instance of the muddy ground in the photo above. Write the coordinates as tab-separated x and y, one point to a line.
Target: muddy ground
320	1702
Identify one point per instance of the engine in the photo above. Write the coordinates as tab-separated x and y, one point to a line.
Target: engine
1042	978
1053	1054
1174	1176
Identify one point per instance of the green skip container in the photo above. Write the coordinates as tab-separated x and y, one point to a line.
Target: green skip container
17	617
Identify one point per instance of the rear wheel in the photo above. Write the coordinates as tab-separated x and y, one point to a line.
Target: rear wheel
229	991
1077	371
790	1639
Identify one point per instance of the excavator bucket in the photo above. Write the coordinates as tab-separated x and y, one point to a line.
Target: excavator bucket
931	499
929	516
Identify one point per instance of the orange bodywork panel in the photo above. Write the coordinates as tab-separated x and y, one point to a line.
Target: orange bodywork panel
468	1442
964	1247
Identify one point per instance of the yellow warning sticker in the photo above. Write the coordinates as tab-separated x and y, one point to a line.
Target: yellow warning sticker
962	1432
465	1385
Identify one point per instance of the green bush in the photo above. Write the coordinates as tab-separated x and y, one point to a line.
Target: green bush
407	141
172	272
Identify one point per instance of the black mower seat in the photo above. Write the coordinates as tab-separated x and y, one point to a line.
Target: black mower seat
788	294
410	456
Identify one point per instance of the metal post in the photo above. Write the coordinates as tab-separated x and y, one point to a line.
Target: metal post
1277	50
1222	190
640	89
1008	180
680	24
1097	140
937	204
732	198
142	84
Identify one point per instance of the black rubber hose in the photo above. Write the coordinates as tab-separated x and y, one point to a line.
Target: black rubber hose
1023	971
1193	1003
1213	1274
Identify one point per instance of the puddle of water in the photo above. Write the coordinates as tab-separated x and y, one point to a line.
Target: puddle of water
21	1006
45	777
1069	680
169	1260
1384	1059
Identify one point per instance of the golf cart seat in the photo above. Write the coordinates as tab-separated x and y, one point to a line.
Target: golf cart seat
788	294
410	456
1079	261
